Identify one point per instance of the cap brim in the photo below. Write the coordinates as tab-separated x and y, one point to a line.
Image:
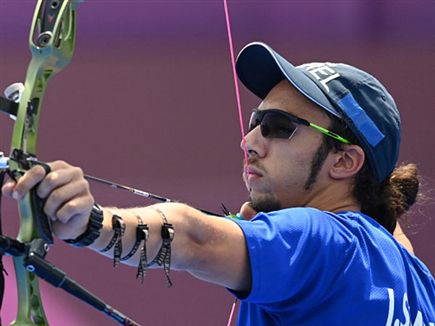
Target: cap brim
260	68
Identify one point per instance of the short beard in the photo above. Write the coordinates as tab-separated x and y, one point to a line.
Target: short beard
268	203
317	163
265	204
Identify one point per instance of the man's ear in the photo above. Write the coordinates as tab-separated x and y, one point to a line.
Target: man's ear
347	162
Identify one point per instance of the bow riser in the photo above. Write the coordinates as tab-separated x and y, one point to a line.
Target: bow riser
50	54
51	41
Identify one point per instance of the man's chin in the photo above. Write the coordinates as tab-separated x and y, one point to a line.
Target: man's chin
264	203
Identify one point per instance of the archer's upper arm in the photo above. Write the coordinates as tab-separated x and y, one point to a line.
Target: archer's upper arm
216	251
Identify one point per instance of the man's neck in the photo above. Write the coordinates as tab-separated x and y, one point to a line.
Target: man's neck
334	198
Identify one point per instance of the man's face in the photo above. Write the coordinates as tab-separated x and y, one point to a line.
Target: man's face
279	169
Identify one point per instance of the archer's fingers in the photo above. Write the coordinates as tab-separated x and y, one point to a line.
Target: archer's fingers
247	211
77	209
58	178
73	228
8	188
29	179
68	200
73	217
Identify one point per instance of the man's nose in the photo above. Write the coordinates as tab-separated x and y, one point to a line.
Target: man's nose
254	143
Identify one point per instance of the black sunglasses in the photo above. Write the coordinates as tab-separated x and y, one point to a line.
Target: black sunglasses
276	123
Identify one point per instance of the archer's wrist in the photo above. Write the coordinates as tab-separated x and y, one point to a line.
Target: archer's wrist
106	231
92	231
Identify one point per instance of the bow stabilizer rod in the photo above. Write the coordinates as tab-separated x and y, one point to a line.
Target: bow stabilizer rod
34	254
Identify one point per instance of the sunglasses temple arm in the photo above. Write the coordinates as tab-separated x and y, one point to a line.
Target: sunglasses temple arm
329	133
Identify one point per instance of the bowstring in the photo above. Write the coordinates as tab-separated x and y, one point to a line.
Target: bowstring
239	109
236	84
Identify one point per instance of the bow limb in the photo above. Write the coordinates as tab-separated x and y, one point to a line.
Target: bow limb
51	41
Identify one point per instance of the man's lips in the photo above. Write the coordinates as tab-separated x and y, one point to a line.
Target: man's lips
252	171
251	175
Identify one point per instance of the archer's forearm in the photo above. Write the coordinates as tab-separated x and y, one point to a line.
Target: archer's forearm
209	247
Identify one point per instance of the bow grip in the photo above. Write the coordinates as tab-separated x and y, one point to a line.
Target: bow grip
42	223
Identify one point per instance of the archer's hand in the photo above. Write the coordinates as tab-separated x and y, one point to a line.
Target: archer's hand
247	211
68	200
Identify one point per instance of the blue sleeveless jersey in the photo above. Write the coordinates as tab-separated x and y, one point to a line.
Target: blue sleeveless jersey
311	267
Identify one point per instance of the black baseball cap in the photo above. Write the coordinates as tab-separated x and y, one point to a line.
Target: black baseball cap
344	91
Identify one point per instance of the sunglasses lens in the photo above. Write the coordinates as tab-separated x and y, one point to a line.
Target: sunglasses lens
276	125
273	124
255	120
